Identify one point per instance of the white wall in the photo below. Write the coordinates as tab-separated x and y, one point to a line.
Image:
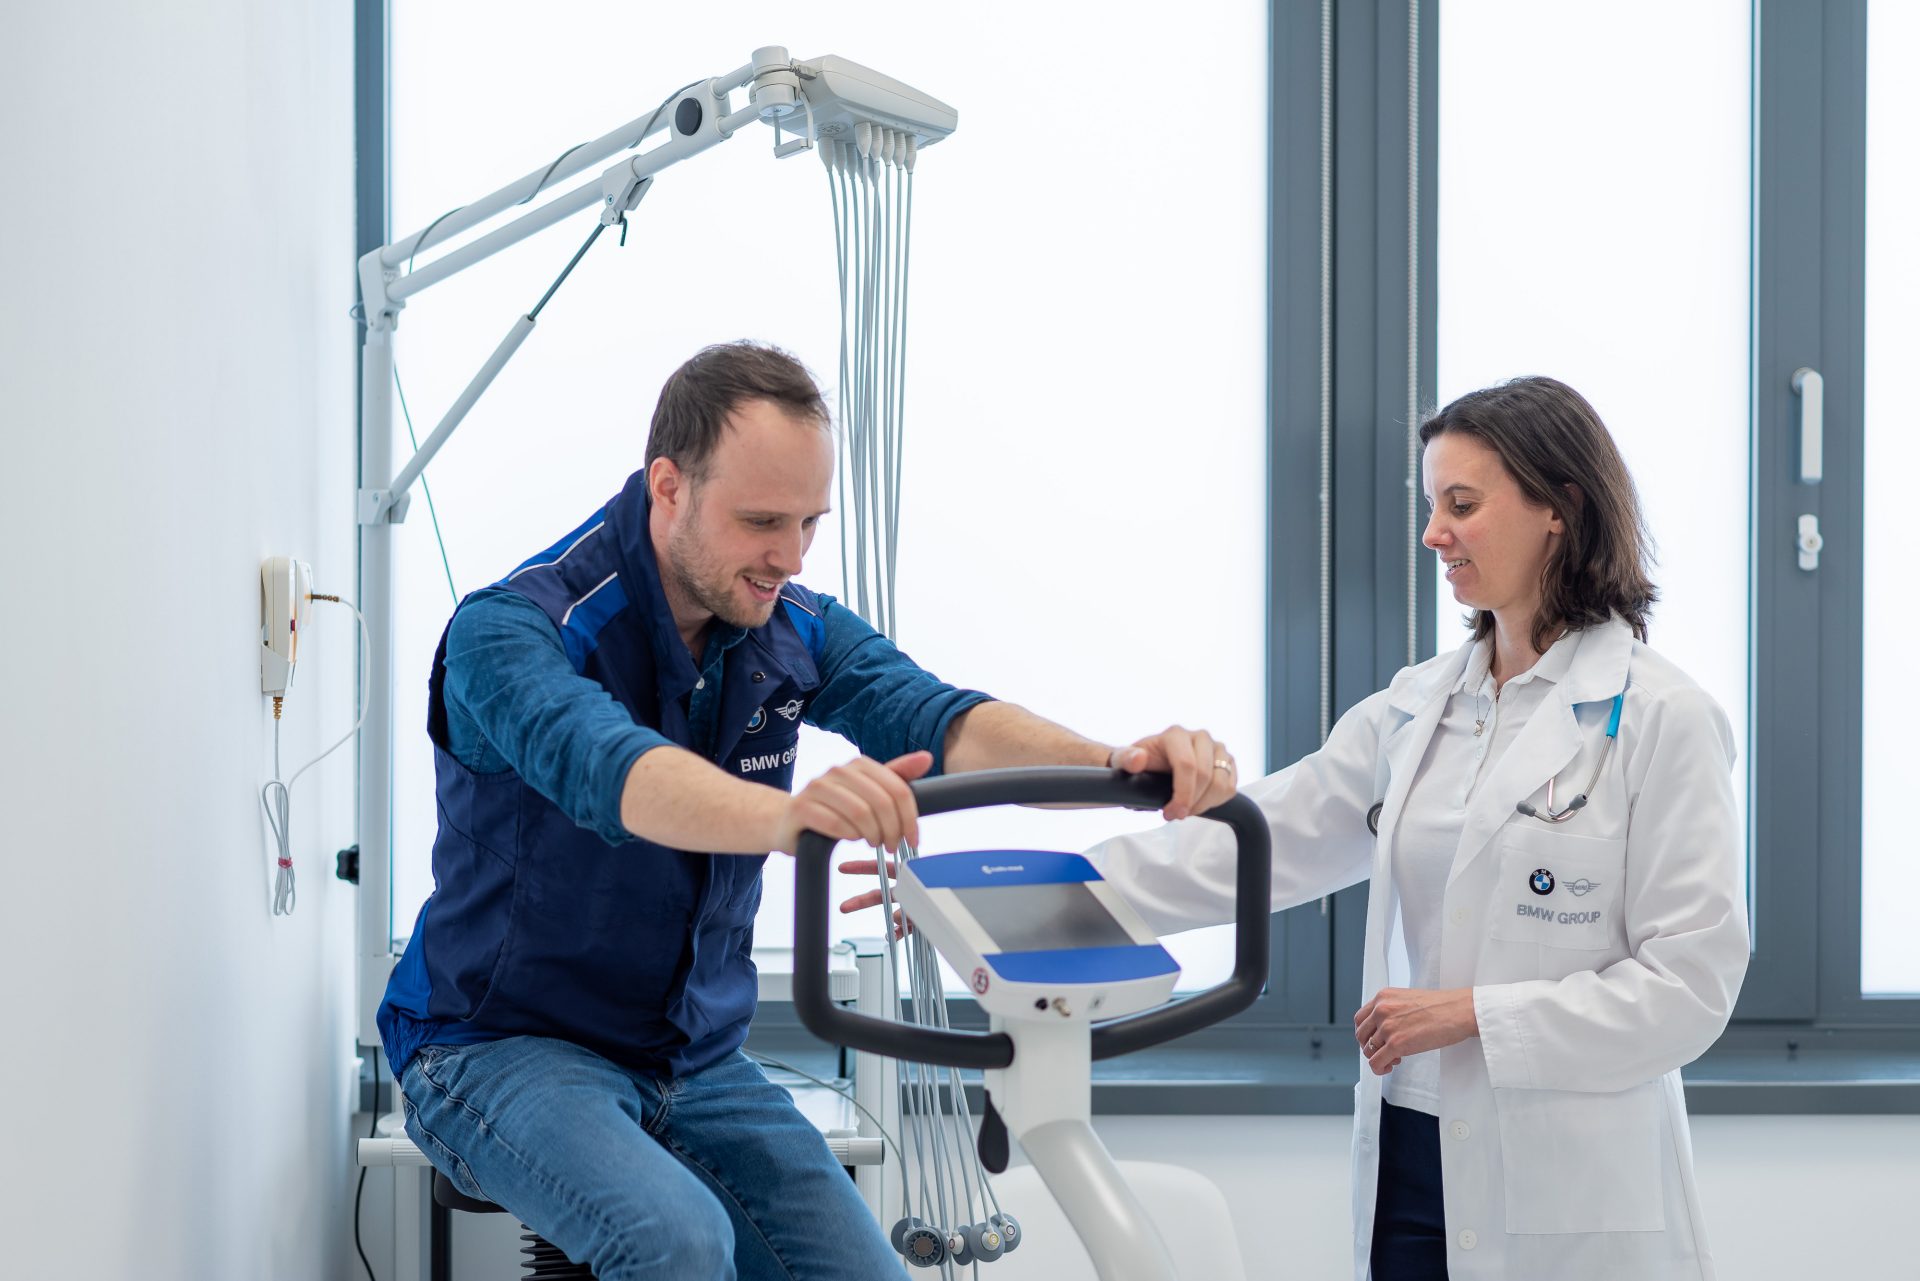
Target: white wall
175	405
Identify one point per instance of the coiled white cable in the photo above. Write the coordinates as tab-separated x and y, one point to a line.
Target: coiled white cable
277	797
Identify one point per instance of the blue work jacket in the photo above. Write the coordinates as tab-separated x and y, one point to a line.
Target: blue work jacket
541	925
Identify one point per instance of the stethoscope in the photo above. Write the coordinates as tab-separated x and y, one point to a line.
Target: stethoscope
1552	815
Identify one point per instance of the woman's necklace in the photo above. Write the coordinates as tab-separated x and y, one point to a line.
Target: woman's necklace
1480	721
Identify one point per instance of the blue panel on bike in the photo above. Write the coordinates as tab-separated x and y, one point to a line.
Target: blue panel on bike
1084	964
974	868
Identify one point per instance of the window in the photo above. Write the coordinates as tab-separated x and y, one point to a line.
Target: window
1890	877
1084	484
1601	238
1132	405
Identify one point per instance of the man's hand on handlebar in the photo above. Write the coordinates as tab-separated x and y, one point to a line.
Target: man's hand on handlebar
1203	773
862	800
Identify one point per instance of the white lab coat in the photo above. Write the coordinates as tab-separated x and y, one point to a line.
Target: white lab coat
1564	1142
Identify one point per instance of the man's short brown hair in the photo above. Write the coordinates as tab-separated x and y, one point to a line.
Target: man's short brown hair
700	395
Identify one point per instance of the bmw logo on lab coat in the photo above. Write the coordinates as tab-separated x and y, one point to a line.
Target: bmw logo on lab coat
1541	882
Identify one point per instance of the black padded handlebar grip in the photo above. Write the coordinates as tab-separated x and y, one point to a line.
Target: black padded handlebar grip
1051	785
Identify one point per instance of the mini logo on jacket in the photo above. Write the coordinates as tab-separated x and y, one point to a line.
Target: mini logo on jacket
1541	882
1582	887
790	709
758	721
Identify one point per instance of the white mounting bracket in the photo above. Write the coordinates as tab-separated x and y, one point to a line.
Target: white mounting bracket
781	150
774	94
380	311
380	507
624	192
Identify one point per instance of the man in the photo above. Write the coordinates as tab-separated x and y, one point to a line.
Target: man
614	726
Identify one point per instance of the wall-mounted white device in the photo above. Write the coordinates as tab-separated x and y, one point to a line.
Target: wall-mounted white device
285	586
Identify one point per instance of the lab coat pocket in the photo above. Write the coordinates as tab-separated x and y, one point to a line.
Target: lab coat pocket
1582	1162
1560	891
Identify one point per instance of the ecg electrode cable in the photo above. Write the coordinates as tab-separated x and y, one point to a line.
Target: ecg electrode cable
277	797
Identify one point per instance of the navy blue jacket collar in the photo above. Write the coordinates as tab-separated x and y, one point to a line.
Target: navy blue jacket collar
629	515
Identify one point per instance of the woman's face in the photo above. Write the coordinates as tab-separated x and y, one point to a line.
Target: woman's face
1493	543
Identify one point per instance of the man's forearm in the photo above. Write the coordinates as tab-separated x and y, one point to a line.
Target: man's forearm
673	797
1004	735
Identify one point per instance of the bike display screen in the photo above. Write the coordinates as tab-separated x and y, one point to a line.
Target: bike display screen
1044	918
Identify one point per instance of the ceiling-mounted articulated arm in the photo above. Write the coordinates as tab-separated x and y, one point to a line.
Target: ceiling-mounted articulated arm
390	504
834	96
695	117
693	126
709	96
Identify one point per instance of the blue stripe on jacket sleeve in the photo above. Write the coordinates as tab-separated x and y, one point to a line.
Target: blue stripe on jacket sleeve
813	632
580	634
515	701
875	695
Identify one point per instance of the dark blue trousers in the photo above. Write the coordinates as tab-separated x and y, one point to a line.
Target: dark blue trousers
1409	1215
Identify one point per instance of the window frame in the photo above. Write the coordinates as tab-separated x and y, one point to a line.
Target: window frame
1811	268
1350	592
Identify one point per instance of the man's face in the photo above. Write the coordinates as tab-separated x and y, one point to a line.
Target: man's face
738	533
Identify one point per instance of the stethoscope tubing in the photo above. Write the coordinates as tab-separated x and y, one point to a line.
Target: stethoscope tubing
1551	815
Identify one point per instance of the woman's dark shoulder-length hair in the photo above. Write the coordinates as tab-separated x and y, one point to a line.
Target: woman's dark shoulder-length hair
1549	438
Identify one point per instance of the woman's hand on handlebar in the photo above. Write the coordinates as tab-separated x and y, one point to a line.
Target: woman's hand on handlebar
1204	772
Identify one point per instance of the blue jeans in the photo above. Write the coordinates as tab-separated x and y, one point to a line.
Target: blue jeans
710	1177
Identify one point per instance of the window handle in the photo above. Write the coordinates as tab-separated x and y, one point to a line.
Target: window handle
1813	394
1808	542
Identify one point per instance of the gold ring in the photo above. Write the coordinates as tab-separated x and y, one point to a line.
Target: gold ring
1223	763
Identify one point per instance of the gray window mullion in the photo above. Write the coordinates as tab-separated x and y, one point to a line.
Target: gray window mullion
1842	573
1302	946
1384	284
1809	209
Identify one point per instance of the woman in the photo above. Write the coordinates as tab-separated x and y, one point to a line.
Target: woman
1556	922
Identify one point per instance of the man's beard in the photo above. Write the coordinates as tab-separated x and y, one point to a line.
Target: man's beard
706	584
